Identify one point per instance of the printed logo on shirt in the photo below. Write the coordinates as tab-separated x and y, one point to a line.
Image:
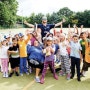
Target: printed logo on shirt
83	43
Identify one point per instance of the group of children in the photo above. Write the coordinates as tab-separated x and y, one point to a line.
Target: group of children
68	49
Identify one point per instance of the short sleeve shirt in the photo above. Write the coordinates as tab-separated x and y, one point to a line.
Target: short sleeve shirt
14	48
45	29
75	47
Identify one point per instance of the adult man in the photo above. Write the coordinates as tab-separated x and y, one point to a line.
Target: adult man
44	27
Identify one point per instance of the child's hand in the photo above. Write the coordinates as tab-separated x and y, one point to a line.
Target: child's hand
13	52
44	50
47	49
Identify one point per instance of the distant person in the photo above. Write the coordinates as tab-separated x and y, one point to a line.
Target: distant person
44	27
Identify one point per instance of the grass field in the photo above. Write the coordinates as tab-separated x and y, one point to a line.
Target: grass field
27	83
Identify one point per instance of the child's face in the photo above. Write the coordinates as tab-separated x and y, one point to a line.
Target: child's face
83	36
49	42
4	42
21	38
14	42
75	39
62	38
36	43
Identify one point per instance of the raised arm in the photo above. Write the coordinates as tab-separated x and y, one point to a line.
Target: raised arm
60	23
28	24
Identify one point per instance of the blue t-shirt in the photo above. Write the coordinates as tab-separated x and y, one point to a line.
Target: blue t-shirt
45	29
35	53
75	47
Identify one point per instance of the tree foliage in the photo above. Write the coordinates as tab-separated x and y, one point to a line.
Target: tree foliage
8	17
8	9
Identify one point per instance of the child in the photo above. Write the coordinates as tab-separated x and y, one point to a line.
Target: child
49	59
4	58
23	53
64	56
75	57
87	56
14	60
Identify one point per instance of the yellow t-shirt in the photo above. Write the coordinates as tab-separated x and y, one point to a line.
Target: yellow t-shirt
87	55
22	48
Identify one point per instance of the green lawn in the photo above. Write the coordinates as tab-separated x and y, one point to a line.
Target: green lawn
28	83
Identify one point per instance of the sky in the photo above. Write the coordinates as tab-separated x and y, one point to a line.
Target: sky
27	7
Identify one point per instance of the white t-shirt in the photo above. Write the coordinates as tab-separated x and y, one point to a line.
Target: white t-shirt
3	52
63	48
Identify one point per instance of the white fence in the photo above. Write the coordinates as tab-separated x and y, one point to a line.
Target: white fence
22	30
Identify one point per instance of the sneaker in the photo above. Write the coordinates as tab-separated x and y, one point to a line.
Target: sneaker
17	74
42	81
27	73
10	75
21	74
37	79
79	79
71	77
6	76
61	73
56	77
84	74
68	76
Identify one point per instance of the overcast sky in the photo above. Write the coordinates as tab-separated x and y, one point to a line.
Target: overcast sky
26	7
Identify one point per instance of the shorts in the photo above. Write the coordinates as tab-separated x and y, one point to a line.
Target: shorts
14	62
40	66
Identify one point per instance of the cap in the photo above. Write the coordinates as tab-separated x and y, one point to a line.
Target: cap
20	35
3	39
44	18
49	38
6	36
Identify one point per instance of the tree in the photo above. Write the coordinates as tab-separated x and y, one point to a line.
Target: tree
86	18
54	18
38	18
66	12
8	9
80	17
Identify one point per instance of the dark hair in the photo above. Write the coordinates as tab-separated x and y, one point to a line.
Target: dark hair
82	33
75	36
50	34
14	39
